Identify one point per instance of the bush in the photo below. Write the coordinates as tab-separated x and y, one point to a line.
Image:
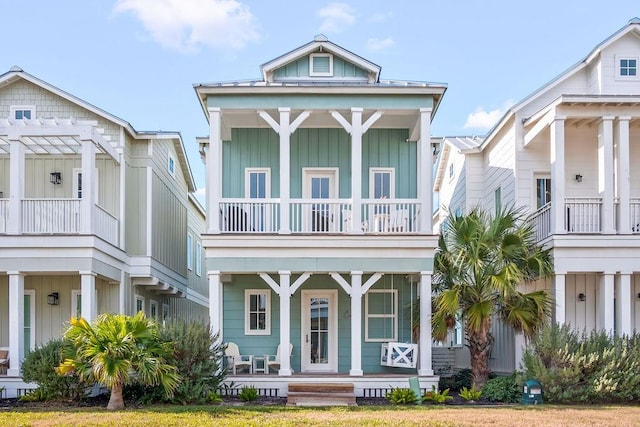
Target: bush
402	396
248	394
502	389
595	368
436	396
457	382
39	366
470	394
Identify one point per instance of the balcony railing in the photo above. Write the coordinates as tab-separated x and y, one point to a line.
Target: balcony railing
249	215
634	215
106	225
4	208
583	214
541	221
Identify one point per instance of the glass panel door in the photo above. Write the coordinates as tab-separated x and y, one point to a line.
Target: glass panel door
320	215
320	184
319	338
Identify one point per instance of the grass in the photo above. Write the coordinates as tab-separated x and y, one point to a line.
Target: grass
188	416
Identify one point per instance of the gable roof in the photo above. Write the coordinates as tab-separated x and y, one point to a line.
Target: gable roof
633	26
465	144
16	73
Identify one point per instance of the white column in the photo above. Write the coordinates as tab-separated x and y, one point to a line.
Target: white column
559	297
557	177
425	176
88	291
605	315
285	322
356	324
215	304
16	186
122	226
356	170
122	293
16	322
88	201
624	304
285	169
214	171
623	177
605	173
425	366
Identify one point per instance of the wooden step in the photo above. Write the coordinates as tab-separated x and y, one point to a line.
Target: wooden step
321	394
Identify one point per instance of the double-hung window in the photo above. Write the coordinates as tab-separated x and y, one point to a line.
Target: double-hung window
21	112
257	312
381	315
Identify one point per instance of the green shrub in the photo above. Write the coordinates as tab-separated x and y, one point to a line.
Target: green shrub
436	396
470	394
402	396
39	366
502	389
574	368
248	394
457	381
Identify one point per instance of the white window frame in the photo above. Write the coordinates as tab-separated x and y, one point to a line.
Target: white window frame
198	258
452	169
75	293
141	299
536	177
77	191
368	315
247	181
392	181
247	312
171	165
497	199
32	315
15	108
189	251
619	76
153	304
312	73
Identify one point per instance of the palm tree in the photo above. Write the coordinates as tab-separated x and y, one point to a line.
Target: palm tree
118	350
479	263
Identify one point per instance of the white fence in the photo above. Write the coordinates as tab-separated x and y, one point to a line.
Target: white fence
51	216
541	221
583	215
249	215
106	225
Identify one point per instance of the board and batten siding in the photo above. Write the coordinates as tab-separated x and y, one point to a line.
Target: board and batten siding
581	314
136	208
4	176
300	68
185	309
169	227
196	227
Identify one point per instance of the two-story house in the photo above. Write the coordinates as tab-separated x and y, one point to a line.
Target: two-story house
94	217
319	218
565	153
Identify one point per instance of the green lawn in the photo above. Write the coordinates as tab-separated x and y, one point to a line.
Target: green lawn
199	416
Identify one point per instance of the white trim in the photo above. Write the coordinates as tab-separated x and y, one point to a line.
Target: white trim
189	251
77	191
617	67
247	312
164	314
368	315
171	165
247	181
153	304
135	307
332	173
198	258
332	296
313	73
14	108
32	317
392	181
75	311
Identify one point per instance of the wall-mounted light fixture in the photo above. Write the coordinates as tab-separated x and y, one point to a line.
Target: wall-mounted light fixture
52	299
55	177
582	297
638	295
578	178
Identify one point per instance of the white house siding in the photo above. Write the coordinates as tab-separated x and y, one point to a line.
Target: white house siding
576	84
626	46
533	162
594	77
635	304
634	153
499	162
474	182
581	314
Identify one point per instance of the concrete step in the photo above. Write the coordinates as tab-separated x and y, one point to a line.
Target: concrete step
321	394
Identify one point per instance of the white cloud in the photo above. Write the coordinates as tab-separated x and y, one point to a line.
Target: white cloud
379	18
379	44
201	195
187	25
483	120
336	17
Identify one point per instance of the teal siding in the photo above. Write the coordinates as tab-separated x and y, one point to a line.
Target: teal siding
258	345
300	68
321	148
390	148
249	148
345	100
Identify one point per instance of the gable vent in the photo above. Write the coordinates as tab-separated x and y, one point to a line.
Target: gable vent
321	64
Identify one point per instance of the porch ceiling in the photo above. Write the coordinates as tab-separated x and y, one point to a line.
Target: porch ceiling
54	136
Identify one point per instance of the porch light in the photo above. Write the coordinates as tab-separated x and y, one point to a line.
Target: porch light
578	178
52	299
55	177
582	297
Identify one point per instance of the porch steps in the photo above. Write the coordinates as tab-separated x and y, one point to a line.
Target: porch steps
321	394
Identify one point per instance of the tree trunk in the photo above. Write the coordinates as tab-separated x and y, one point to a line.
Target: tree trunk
115	400
479	343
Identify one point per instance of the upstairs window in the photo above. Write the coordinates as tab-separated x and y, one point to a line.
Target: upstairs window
20	112
381	183
198	258
498	199
189	249
628	67
171	165
451	170
543	192
321	65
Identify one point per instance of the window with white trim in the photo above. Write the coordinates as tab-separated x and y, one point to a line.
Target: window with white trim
321	65
76	303
497	199
171	165
451	170
543	192
381	315
20	112
198	258
382	183
454	335
257	185
189	251
628	67
153	309
77	183
139	303
165	314
257	312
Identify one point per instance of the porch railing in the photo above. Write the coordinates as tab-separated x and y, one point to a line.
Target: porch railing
106	225
320	216
583	215
51	216
4	208
634	215
390	216
541	222
249	215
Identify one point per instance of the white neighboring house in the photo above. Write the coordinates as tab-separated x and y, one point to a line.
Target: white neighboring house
565	154
94	217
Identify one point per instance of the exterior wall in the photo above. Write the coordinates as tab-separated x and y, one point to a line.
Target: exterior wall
581	314
4	176
182	308
533	162
390	148
196	227
634	153
452	194
625	47
499	166
572	85
300	68
474	180
136	205
4	311
169	227
635	305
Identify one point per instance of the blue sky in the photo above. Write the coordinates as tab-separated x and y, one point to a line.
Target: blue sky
138	59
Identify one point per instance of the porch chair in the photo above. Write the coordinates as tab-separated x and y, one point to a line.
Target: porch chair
399	221
236	360
272	360
4	360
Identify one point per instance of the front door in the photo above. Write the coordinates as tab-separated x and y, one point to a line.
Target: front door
319	331
320	184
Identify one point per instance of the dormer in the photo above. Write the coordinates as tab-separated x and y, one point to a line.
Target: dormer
320	61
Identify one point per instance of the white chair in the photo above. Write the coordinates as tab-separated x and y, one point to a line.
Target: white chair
399	220
236	360
274	361
4	360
